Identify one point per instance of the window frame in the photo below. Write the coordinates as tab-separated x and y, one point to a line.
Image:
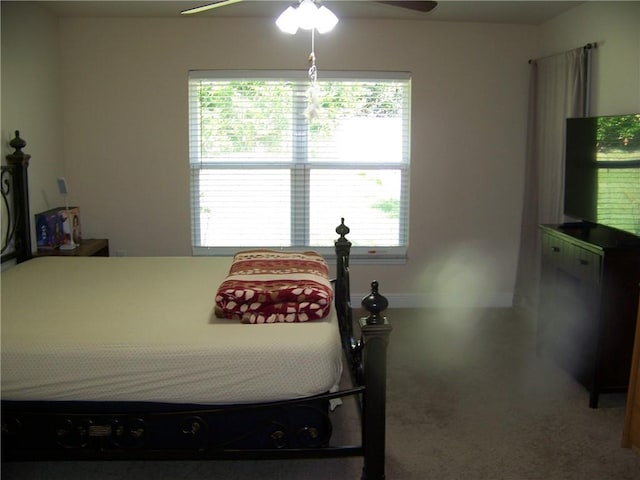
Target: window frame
381	254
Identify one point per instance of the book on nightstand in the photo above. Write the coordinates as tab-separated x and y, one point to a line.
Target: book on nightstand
53	228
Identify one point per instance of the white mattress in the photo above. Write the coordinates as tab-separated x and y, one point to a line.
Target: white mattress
143	329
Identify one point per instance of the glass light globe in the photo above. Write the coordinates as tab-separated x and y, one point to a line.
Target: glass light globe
288	21
307	14
326	20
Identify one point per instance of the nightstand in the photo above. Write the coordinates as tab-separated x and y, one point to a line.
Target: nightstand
90	247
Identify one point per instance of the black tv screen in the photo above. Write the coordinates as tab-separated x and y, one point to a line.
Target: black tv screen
602	171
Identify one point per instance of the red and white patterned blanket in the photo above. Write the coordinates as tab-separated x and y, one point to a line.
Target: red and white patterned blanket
266	286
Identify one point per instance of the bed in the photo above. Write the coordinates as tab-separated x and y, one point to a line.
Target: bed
113	358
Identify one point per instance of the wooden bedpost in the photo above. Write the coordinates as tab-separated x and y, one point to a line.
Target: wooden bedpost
19	162
375	338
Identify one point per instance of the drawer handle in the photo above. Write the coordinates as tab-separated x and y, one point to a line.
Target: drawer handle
555	249
584	262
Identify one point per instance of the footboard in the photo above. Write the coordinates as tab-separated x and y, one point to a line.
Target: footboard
298	428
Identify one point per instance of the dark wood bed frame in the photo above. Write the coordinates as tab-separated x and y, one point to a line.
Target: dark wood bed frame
122	431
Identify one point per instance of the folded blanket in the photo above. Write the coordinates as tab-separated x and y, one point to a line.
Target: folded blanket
266	286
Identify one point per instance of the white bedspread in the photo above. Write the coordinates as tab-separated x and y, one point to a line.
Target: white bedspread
144	329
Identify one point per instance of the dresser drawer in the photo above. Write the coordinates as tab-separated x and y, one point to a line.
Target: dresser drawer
579	262
553	249
584	264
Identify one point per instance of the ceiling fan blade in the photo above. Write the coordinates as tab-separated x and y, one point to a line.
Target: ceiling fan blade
417	5
209	6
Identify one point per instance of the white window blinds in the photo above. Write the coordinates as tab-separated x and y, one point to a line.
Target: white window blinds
262	176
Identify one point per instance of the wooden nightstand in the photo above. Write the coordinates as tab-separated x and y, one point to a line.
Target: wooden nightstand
90	247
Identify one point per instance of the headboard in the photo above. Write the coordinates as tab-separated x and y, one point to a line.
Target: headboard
14	184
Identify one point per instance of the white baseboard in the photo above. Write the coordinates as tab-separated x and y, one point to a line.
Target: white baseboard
414	300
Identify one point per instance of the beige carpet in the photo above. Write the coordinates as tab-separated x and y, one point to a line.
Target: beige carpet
467	399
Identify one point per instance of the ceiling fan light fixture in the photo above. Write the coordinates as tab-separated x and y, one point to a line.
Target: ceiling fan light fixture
307	16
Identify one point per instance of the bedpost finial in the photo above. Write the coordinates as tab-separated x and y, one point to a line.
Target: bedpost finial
342	245
18	157
342	229
17	143
375	303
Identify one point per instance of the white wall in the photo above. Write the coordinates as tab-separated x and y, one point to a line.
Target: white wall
31	101
125	140
124	117
615	27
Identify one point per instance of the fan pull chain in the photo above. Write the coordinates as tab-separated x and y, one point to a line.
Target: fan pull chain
313	93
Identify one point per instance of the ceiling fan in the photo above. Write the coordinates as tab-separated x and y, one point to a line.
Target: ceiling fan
423	6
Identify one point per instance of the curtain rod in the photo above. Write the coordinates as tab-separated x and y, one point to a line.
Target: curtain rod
588	46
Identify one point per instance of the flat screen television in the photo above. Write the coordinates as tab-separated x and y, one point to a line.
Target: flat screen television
602	171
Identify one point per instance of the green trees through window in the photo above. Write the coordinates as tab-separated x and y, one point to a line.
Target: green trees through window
618	162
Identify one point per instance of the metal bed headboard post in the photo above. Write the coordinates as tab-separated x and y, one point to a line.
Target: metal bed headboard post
343	290
15	195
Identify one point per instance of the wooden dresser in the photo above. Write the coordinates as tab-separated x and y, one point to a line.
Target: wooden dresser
588	303
631	432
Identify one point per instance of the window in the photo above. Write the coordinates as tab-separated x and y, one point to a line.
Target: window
263	176
618	171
